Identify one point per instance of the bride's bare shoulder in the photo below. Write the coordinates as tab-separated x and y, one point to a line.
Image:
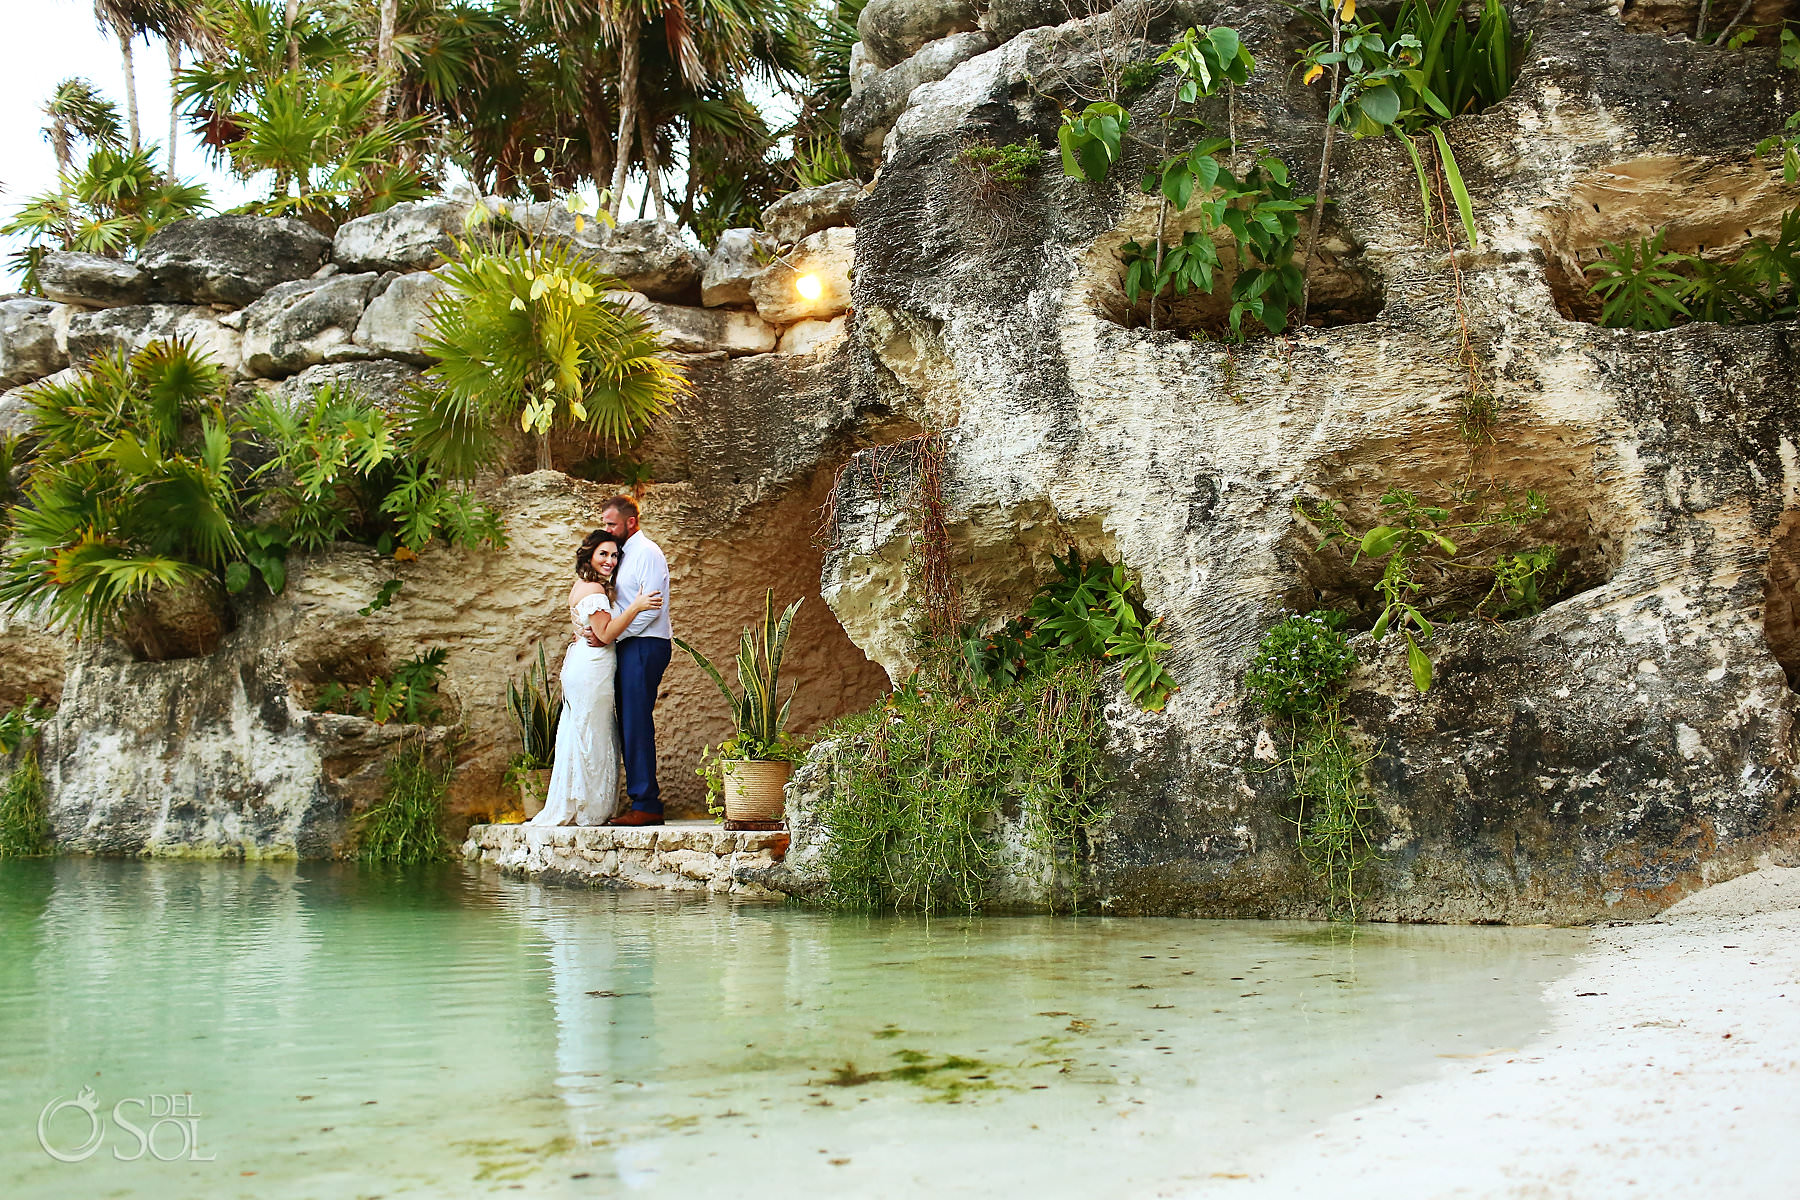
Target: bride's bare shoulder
582	590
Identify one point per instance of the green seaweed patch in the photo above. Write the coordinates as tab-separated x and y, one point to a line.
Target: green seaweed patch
505	1161
946	1080
889	1031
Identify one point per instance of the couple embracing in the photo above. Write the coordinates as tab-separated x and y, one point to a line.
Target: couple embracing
610	675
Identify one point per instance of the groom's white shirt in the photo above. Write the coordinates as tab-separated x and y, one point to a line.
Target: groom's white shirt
642	568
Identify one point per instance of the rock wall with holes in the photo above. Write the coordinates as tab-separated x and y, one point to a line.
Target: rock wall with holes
218	750
1633	741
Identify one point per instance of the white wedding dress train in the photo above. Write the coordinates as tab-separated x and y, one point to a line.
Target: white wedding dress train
584	776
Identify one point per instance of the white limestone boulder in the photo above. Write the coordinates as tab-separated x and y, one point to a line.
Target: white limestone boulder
702	330
92	280
737	259
419	235
136	326
304	323
826	257
30	347
810	336
231	260
800	214
395	322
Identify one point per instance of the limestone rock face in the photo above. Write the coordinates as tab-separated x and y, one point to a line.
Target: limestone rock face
29	348
861	68
1631	742
893	30
872	111
231	260
698	330
382	381
393	325
826	257
419	235
646	256
301	324
93	280
809	210
810	337
134	327
737	259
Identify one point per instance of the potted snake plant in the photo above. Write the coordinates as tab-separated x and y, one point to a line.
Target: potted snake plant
752	766
535	704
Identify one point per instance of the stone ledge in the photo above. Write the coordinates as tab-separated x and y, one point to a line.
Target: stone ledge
680	857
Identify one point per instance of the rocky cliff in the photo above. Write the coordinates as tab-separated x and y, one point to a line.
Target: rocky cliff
1626	745
223	753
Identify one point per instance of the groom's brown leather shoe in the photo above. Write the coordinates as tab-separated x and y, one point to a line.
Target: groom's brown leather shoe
638	816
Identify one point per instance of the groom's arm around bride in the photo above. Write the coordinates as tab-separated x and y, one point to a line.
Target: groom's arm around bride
643	657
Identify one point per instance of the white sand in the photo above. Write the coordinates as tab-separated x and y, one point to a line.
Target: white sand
1672	1069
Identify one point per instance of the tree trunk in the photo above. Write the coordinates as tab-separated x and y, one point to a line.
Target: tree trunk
652	171
600	145
628	106
293	43
131	111
1318	212
174	104
384	50
59	142
543	451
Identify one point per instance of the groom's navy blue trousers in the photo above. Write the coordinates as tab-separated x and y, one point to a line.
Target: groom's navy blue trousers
642	661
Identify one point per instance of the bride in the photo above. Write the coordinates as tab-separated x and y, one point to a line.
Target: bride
584	782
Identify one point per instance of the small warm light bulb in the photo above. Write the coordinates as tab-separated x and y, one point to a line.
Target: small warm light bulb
809	286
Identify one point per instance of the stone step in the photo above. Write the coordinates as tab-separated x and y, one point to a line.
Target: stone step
682	856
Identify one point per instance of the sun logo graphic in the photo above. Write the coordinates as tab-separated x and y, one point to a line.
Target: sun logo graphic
85	1104
173	1131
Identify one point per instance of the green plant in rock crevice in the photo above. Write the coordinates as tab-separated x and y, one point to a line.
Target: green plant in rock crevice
1415	549
1295	677
922	782
24	820
1644	286
410	694
406	826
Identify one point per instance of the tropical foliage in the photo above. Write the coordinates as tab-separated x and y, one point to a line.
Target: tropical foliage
1641	285
535	705
1426	575
409	695
110	206
24	815
135	482
759	717
526	333
1088	612
922	783
405	828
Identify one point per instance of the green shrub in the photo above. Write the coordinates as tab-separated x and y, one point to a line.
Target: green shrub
24	819
1088	612
409	694
1299	664
1005	166
19	723
526	334
922	782
406	827
1643	286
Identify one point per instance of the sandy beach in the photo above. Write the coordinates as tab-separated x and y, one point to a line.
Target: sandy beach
1671	1068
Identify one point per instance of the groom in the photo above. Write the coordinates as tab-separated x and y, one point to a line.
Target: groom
643	651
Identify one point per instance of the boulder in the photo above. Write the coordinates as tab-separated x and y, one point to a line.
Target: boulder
893	30
304	323
419	235
861	68
93	280
134	327
826	256
873	109
394	323
1007	19
700	330
232	260
29	346
382	381
809	210
652	257
737	259
15	417
810	336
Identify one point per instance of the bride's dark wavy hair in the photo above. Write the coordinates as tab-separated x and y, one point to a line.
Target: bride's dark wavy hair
584	558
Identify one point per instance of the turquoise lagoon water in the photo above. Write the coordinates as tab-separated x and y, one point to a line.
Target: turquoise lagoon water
279	1031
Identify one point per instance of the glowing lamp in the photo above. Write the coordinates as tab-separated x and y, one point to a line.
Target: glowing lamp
809	286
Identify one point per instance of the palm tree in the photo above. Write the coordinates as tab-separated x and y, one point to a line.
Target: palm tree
77	110
126	19
179	23
384	50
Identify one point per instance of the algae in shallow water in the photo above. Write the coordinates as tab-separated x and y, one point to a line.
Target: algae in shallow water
945	1080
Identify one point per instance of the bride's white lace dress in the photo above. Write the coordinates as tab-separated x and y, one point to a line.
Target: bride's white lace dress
584	779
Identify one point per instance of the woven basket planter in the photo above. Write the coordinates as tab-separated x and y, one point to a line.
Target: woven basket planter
755	789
